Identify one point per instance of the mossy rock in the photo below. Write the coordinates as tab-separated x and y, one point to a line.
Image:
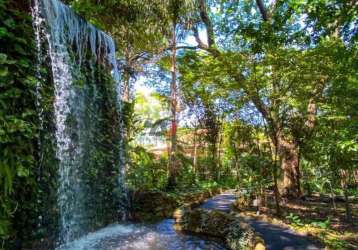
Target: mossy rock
151	205
235	233
211	223
242	236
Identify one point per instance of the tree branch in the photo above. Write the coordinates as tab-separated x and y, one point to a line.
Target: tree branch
311	119
262	9
207	22
188	47
143	55
201	45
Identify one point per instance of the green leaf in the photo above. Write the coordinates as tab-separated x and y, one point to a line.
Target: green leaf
20	50
10	23
4	71
3	32
22	172
4	227
7	175
3	58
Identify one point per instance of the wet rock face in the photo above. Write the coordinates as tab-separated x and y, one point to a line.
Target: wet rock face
22	5
152	205
235	233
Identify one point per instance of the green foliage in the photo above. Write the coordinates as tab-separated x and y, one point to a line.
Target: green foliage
294	219
248	92
268	74
28	166
18	123
145	171
322	224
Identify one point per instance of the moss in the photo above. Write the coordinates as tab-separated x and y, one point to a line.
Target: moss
235	233
241	236
153	205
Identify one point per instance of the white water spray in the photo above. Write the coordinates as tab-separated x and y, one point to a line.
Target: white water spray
69	38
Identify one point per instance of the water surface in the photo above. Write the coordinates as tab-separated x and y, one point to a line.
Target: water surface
159	236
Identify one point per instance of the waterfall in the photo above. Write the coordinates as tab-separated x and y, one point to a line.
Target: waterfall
73	44
37	26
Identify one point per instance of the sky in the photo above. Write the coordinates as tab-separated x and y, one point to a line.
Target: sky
140	84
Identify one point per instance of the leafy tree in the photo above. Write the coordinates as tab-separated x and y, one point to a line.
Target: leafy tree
267	61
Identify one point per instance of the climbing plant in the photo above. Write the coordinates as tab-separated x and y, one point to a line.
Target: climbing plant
18	120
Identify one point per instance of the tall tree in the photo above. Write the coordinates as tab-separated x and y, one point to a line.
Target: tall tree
273	60
180	18
173	163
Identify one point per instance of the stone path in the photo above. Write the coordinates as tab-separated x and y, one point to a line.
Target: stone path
276	237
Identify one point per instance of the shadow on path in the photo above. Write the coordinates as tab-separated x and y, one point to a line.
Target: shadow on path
276	237
221	202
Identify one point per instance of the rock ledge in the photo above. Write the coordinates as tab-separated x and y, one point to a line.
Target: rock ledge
230	229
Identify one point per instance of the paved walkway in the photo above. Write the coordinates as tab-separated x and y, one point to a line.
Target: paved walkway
221	202
276	237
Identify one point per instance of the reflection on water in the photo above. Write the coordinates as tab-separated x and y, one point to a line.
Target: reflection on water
159	236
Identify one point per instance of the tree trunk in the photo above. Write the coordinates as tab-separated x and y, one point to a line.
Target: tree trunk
173	164
195	153
126	76
291	170
237	167
276	191
347	205
332	196
126	88
212	154
219	166
344	174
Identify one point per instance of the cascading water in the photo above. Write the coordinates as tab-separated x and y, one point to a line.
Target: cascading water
89	138
73	44
37	26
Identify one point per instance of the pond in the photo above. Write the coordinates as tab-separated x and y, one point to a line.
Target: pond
160	236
